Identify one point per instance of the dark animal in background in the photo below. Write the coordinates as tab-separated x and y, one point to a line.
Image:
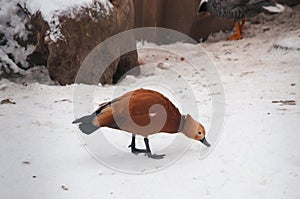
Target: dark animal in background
239	10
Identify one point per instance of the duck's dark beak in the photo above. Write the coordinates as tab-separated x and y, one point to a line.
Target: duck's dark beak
204	141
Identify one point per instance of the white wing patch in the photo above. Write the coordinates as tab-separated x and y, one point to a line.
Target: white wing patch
152	114
275	9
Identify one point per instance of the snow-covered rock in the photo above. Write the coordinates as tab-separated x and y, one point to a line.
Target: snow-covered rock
60	34
81	31
13	36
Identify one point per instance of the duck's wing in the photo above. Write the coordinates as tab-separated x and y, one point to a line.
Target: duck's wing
138	109
118	113
133	113
111	113
134	104
147	108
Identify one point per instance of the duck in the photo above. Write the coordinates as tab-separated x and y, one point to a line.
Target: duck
142	112
238	10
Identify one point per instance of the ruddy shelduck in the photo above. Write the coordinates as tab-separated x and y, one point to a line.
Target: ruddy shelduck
143	112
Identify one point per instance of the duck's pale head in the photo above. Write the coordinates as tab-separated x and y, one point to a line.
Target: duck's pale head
200	135
194	130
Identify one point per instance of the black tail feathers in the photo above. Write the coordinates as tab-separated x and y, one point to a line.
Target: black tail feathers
87	128
85	119
86	124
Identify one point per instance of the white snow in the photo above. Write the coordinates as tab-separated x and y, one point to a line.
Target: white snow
291	42
12	24
42	155
13	67
49	8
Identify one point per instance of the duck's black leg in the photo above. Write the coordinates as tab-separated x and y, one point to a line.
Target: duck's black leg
148	151
132	146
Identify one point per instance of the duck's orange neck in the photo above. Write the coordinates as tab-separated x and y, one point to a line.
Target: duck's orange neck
190	127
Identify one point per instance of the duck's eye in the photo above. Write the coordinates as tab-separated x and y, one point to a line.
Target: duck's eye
199	133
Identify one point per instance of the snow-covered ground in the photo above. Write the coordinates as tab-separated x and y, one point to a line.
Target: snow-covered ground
257	156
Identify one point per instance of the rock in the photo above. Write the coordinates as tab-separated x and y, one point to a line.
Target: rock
82	30
26	39
38	27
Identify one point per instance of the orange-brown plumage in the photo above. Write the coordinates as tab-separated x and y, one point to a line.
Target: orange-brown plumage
143	112
138	104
